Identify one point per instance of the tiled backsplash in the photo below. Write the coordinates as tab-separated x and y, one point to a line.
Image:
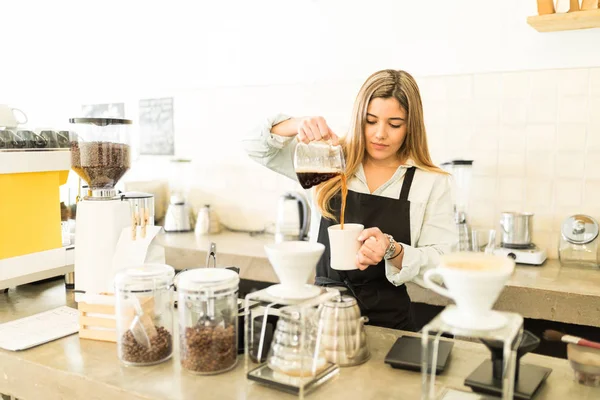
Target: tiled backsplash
534	136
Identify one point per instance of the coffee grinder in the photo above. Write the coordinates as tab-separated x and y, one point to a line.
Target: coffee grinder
100	155
462	171
487	378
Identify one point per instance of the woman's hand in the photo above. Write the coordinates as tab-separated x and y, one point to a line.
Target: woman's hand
315	128
375	243
306	129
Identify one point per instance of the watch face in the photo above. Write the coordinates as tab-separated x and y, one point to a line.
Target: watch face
391	248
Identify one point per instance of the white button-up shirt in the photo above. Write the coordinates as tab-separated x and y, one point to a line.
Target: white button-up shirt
432	228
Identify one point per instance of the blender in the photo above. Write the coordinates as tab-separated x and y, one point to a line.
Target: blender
100	155
462	171
178	216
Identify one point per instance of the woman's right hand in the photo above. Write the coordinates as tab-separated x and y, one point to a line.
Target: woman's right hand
314	129
306	129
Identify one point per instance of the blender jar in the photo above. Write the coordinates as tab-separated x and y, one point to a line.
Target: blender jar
180	178
208	320
318	162
101	153
144	314
462	171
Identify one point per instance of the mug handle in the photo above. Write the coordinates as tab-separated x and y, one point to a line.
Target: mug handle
23	114
434	286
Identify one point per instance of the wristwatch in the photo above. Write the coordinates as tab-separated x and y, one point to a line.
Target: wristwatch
389	252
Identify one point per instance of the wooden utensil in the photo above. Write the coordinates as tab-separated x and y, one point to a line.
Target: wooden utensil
574	5
545	7
589	4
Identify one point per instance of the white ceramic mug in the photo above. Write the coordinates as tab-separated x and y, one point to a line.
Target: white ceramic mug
8	119
473	280
344	245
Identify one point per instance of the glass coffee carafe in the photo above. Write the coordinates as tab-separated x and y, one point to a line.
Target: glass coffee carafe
318	162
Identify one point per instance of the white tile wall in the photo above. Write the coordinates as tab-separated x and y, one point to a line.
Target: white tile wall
534	136
570	164
544	83
593	139
594	108
595	82
573	109
573	82
540	137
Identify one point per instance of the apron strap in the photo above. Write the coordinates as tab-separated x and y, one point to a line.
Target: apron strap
408	178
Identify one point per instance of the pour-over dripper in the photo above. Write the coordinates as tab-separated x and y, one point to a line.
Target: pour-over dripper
294	261
100	153
529	343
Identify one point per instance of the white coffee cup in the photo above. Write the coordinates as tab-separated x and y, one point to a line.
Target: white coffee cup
8	117
344	245
473	280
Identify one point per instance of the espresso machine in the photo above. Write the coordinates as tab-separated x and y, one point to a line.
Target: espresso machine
461	171
100	155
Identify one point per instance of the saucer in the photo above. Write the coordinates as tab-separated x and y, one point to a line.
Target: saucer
490	321
284	292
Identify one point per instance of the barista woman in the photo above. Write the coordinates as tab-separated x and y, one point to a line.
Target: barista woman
394	190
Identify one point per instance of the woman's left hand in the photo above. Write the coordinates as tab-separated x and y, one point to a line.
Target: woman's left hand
375	243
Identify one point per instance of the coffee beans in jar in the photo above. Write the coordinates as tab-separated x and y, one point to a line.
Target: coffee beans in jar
144	314
161	348
208	319
206	349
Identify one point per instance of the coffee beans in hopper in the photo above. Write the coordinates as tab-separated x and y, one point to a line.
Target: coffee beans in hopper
100	164
207	349
161	347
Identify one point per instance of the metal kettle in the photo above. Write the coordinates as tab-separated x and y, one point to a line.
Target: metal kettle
292	217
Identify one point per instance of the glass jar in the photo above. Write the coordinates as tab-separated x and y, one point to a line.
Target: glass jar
318	162
579	243
144	314
208	319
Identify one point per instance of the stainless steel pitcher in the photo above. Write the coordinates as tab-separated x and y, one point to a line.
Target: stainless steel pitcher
516	229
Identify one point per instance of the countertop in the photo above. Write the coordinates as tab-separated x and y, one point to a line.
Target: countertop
70	368
550	291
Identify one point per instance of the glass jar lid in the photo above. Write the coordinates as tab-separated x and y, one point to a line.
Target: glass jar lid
579	229
342	302
145	277
101	121
208	280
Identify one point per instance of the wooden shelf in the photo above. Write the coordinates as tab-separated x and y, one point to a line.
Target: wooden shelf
565	21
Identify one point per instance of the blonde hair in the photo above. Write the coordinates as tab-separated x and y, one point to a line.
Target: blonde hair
385	84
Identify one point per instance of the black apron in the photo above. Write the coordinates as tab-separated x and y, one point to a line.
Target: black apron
381	301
